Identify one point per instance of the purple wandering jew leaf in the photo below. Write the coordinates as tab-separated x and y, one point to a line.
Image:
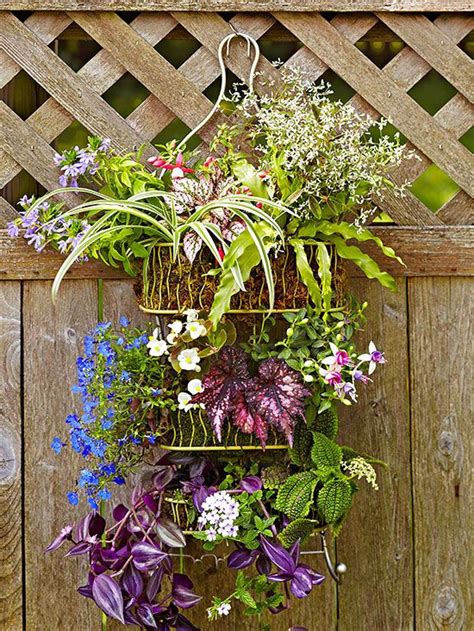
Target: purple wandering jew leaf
226	378
316	577
162	477
146	617
154	583
130	618
157	609
279	577
183	624
201	494
137	492
80	548
85	590
60	539
96	525
146	556
81	528
182	593
297	628
278	555
302	580
295	551
169	533
150	503
119	512
263	564
132	581
251	484
108	596
240	559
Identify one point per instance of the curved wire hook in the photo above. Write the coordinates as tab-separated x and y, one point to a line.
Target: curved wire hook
251	42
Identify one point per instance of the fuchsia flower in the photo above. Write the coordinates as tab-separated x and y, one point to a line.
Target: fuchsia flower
177	169
374	357
332	377
338	357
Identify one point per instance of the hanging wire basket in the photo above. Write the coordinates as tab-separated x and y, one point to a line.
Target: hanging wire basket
191	431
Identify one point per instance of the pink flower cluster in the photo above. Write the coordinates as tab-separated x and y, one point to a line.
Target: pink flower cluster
343	371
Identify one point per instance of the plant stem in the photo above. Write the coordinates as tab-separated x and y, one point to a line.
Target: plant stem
103	616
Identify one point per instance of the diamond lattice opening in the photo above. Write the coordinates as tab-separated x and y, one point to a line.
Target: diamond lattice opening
126	94
434	188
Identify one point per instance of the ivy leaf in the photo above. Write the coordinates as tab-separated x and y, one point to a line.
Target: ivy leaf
222	385
277	395
325	452
334	499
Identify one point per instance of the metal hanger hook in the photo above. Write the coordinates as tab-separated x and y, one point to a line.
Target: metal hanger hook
225	43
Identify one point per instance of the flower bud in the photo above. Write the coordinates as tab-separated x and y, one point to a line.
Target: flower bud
290	331
308	378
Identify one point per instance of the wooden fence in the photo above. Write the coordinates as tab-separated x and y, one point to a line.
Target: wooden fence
407	546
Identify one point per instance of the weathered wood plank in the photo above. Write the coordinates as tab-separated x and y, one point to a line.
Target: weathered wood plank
459	210
426	252
440	387
437	49
52	337
384	95
71	91
11	556
237	5
100	72
153	71
375	542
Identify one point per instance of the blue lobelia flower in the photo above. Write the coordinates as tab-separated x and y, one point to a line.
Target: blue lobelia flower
104	494
124	321
57	445
72	498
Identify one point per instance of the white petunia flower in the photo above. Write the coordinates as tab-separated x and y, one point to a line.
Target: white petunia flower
224	609
189	359
195	330
195	386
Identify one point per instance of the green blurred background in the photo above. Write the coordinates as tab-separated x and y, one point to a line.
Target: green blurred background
433	186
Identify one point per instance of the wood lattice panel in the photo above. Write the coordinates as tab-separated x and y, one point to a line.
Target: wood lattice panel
179	92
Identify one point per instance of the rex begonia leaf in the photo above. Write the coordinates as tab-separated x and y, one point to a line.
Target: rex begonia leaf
277	395
221	386
247	420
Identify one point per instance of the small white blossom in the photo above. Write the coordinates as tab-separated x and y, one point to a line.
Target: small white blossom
360	468
171	338
195	330
184	399
157	347
219	512
195	386
176	327
189	359
224	609
191	315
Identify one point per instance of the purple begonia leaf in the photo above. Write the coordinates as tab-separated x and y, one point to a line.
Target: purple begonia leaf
80	548
278	555
154	583
60	539
85	590
162	477
150	503
277	395
146	556
240	559
227	377
182	593
192	243
96	525
132	581
251	484
247	420
145	615
119	512
108	597
169	533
